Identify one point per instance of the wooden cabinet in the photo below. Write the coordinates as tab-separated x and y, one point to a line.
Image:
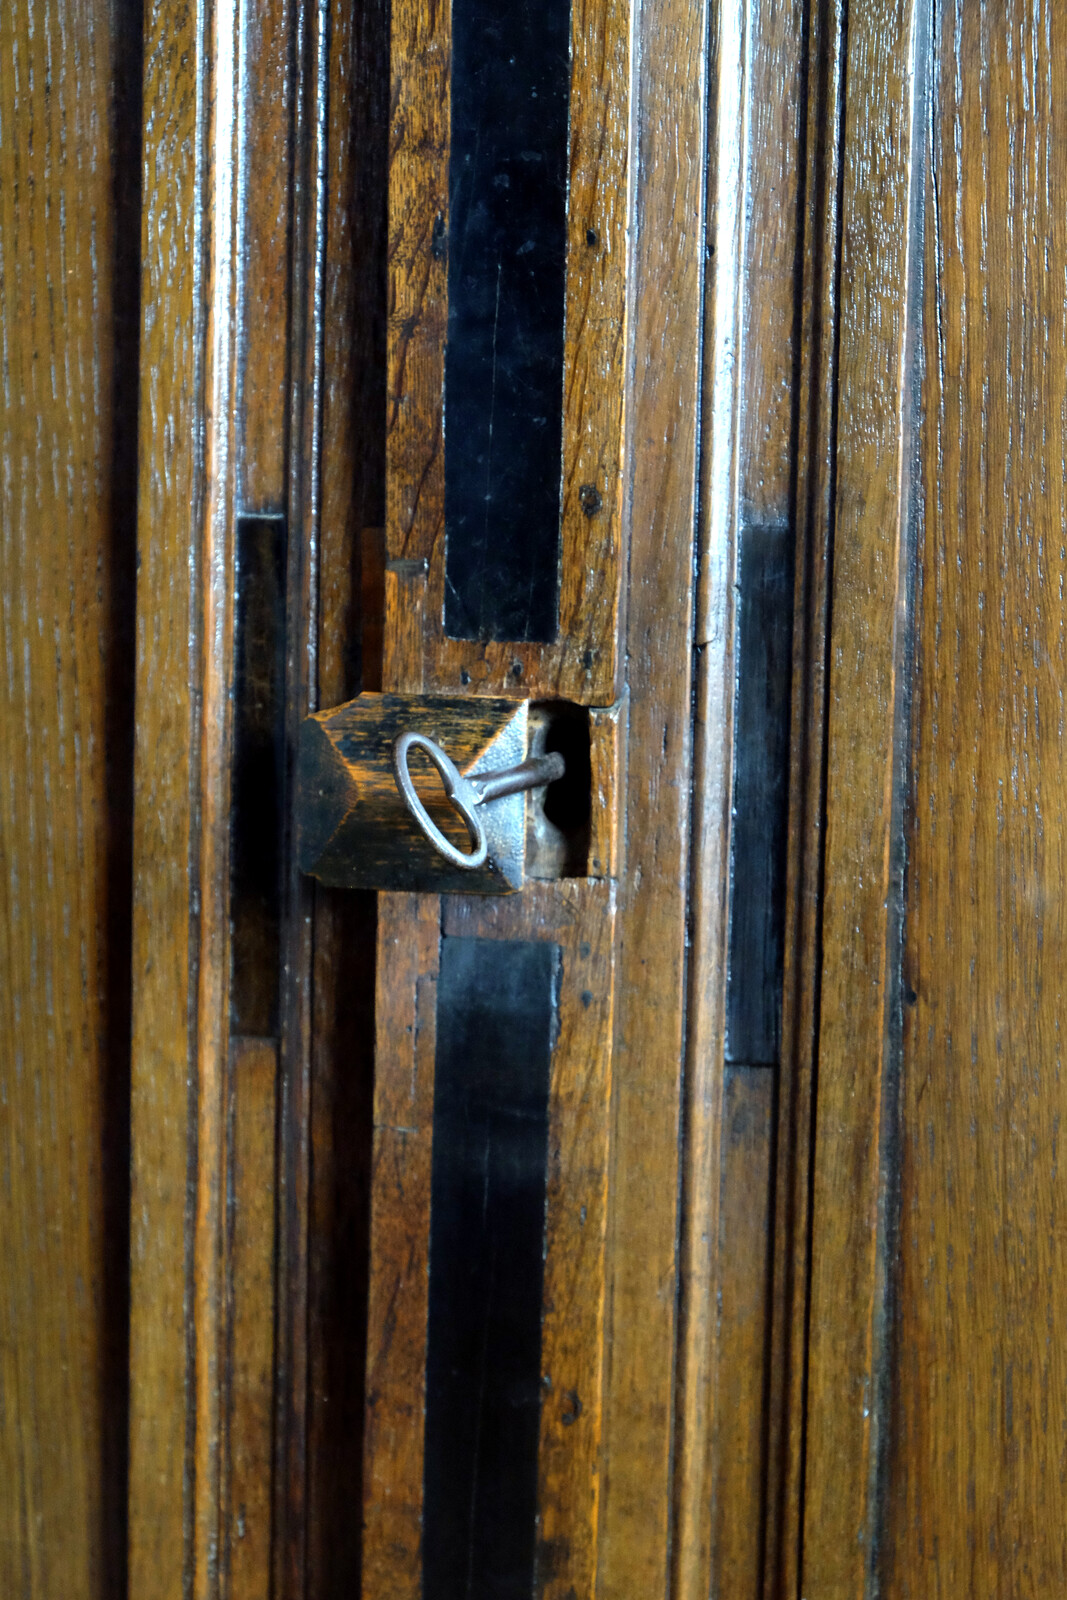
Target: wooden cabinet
685	1221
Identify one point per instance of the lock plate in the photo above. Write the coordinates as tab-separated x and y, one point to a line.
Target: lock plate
354	830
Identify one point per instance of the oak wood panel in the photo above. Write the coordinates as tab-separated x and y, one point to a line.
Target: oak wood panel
845	1418
582	663
976	1496
69	109
667	178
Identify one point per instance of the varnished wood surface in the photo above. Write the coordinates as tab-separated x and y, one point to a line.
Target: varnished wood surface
739	1330
181	812
862	894
262	302
246	1509
816	418
409	935
977	1397
582	664
667	167
169	486
69	97
749	399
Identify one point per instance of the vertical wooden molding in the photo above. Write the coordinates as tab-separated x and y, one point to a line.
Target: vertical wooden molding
816	424
663	375
694	1466
181	808
869	634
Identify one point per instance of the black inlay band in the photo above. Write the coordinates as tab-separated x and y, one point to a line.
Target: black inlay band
761	796
496	1005
258	762
507	247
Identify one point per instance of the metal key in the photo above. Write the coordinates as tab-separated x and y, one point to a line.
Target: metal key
467	794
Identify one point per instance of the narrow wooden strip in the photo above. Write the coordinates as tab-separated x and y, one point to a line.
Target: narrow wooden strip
848	1351
816	420
738	1475
214	601
715	671
607	763
663	354
342	1063
408	939
266	106
246	1508
418	227
169	494
304	518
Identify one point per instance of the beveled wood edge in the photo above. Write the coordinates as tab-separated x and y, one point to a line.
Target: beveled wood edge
180	1029
664	298
816	448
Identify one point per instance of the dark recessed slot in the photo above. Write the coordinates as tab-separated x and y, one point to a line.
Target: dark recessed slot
496	1010
258	752
760	797
558	818
507	246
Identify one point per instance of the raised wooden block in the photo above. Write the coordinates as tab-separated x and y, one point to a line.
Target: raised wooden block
354	830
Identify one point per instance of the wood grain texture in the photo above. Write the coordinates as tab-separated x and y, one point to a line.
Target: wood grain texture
747	471
245	1513
607	763
738	1460
857	1053
774	93
667	166
68	303
409	935
170	487
816	421
976	1495
582	663
305	422
579	917
262	248
350	600
182	791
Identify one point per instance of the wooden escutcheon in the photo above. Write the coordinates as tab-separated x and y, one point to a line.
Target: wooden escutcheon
354	830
